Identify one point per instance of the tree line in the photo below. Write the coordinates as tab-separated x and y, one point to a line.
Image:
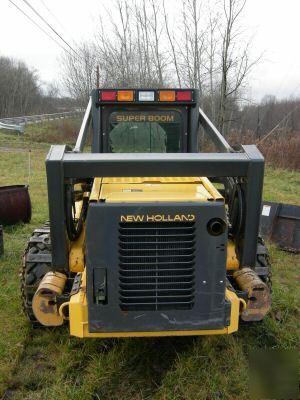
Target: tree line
260	119
21	92
145	43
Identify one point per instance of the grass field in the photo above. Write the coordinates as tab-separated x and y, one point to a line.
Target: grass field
48	364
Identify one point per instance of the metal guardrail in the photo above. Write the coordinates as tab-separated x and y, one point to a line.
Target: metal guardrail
19	123
19	128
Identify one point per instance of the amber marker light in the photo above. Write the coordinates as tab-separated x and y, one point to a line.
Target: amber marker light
125	95
167	95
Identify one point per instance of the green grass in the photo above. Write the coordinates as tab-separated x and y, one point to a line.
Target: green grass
48	364
282	186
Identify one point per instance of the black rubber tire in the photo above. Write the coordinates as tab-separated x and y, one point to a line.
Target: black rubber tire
263	262
33	272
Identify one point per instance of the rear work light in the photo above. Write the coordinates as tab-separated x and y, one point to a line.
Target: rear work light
167	95
125	95
184	96
108	95
146	96
150	95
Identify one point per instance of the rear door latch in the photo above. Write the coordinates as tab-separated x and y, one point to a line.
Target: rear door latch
100	289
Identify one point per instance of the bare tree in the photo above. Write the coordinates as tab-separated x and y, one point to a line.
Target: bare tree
79	71
131	55
156	28
191	40
171	40
236	64
212	65
137	45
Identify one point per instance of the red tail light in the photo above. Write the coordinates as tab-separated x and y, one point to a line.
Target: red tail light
184	96
108	95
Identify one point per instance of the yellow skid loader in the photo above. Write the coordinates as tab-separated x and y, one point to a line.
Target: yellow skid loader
147	234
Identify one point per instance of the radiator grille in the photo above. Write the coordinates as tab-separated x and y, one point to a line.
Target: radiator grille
156	265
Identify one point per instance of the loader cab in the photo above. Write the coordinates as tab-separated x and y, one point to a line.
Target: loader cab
144	121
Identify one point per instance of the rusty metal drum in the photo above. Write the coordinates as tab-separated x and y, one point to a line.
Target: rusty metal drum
15	204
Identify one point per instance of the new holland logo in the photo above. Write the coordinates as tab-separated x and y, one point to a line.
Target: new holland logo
158	218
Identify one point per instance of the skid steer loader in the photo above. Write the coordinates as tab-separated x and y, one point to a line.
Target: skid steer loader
147	235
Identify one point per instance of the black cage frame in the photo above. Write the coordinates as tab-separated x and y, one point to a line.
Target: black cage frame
64	164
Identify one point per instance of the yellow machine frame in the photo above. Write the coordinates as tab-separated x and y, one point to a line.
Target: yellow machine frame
145	190
78	318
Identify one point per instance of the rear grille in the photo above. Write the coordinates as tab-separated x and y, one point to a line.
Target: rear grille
156	265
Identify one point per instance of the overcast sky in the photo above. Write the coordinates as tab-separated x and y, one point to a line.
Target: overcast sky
274	23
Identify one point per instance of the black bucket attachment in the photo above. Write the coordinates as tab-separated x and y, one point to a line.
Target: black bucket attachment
280	223
15	205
